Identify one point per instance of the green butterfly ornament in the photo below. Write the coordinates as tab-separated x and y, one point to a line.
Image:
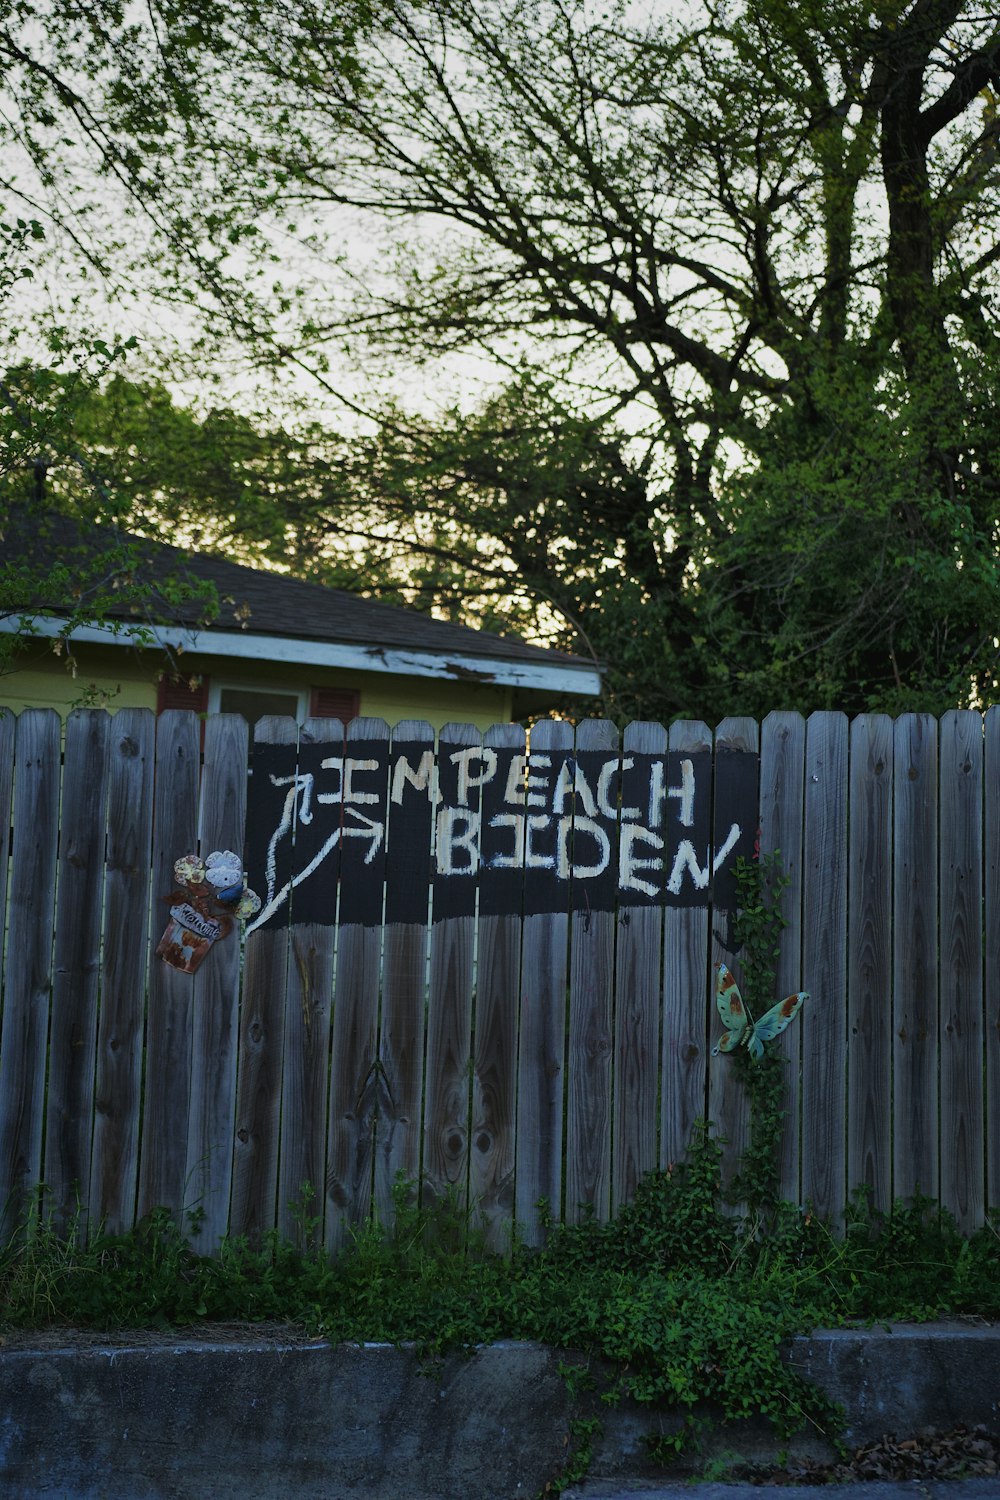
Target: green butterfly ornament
741	1029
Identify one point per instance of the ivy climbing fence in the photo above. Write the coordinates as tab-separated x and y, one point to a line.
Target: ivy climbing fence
488	967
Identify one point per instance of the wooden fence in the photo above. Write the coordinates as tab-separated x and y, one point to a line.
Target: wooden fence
488	970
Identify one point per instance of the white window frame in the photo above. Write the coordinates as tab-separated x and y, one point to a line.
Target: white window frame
217	688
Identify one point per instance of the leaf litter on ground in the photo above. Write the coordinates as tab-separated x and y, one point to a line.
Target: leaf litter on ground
960	1453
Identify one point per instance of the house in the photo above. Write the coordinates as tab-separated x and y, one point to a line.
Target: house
278	645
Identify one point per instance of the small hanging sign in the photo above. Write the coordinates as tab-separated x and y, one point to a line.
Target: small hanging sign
210	895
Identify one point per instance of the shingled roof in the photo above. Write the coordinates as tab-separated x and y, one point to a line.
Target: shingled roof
274	604
256	606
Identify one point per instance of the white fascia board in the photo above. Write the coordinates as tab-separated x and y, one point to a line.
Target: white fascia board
557	678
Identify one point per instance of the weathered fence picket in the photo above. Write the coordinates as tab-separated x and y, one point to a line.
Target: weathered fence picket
686	977
486	964
824	964
404	962
253	1206
637	968
869	958
163	1154
215	995
591	981
782	791
961	964
452	967
124	961
28	961
991	938
305	1043
355	1081
915	956
541	1054
494	1060
73	1023
736	787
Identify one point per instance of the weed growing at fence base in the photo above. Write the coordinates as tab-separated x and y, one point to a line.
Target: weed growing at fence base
684	1302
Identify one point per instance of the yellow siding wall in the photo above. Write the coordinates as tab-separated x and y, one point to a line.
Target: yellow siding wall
120	677
106	677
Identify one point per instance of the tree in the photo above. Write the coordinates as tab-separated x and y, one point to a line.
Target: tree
740	264
51	569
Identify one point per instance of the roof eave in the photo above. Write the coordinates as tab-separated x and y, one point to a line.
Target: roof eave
561	676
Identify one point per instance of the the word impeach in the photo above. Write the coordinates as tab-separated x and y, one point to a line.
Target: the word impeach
547	831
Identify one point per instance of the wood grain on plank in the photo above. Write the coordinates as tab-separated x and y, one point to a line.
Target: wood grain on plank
824	966
404	964
782	762
991	956
355	1081
727	1101
638	954
69	1115
167	1093
215	995
461	767
261	1040
916	1158
869	959
961	961
305	1047
542	1026
494	1059
591	980
28	963
687	983
124	964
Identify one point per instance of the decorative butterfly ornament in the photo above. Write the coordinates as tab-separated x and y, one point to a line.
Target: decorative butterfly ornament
741	1029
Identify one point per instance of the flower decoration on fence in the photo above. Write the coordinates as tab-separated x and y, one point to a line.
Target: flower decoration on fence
211	894
741	1028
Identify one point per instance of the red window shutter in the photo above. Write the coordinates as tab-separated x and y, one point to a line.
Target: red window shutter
182	692
334	703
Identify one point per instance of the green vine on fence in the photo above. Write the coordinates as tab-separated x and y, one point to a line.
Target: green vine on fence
757	929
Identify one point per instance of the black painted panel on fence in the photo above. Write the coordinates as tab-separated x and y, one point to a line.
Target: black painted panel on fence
502	837
461	772
687	810
363	788
271	797
546	866
319	827
736	782
411	791
583	830
593	777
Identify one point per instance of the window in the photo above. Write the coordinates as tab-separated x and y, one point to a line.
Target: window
257	703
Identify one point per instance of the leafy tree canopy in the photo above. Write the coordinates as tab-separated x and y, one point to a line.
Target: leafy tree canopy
57	571
738	260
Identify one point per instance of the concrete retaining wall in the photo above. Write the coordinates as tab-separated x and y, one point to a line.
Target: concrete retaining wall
183	1418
